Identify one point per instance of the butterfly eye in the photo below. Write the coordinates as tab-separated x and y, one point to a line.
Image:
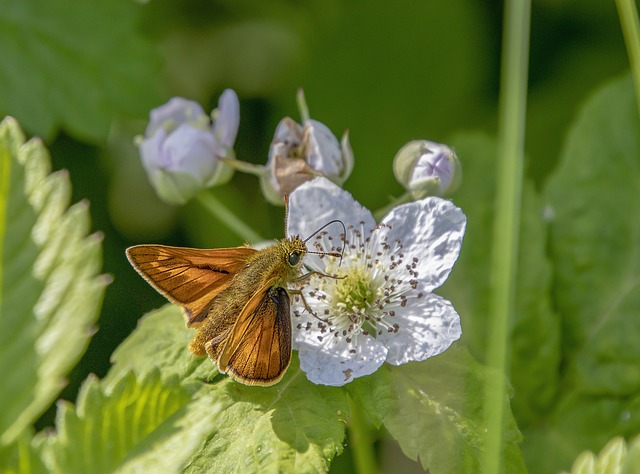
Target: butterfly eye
294	258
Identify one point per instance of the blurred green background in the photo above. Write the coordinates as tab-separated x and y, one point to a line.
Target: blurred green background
84	75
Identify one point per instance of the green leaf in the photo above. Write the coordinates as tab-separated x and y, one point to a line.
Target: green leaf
434	409
131	425
595	244
64	65
615	457
50	290
293	426
160	342
21	457
535	328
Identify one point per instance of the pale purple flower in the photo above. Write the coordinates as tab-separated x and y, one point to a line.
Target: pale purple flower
383	308
181	149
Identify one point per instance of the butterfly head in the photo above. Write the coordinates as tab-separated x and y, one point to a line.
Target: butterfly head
295	249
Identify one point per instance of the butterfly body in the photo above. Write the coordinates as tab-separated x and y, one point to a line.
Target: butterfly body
237	299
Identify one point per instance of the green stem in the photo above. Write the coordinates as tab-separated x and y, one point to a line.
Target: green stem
631	31
511	131
360	441
223	214
302	105
244	166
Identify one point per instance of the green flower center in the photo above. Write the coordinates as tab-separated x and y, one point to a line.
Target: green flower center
355	292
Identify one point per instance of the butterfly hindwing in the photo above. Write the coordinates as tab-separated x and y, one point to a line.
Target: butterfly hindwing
190	278
258	350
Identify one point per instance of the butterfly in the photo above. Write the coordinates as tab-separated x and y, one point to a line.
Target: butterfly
237	299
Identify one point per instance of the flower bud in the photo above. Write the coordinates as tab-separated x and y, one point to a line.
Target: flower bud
427	168
181	149
300	153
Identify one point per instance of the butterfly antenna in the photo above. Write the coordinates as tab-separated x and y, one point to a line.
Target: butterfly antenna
344	234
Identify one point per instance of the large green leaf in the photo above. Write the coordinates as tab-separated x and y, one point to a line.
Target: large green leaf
50	290
293	426
435	410
594	196
535	328
131	425
21	456
74	64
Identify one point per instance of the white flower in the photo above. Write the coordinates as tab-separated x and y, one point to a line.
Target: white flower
382	308
181	148
300	153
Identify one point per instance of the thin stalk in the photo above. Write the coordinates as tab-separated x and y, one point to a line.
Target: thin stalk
631	30
302	105
228	218
359	433
511	130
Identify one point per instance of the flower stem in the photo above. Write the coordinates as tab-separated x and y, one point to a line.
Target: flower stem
245	167
223	214
511	131
360	441
302	105
631	31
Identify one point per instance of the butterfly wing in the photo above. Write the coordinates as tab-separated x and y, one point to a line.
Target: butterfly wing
258	350
188	277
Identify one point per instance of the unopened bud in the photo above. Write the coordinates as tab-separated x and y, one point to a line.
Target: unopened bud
300	153
427	169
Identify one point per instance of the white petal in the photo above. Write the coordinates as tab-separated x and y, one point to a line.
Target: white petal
427	327
332	364
319	201
288	132
322	149
431	232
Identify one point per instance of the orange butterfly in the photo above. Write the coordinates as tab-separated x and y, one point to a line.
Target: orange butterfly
236	298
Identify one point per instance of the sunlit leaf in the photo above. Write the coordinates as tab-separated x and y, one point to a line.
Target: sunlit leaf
293	426
50	291
434	409
130	425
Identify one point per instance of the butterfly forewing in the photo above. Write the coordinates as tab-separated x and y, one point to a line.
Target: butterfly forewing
258	350
188	277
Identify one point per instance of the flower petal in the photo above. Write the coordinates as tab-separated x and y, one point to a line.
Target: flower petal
192	151
322	149
227	121
333	364
427	327
431	232
174	113
319	201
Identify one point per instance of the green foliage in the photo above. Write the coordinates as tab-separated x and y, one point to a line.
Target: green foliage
75	65
594	197
435	410
294	426
125	425
535	330
50	289
615	457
